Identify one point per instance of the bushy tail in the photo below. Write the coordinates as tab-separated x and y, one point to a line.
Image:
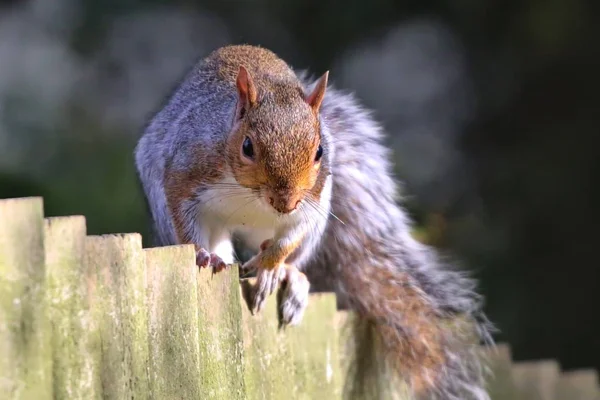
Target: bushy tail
419	320
404	344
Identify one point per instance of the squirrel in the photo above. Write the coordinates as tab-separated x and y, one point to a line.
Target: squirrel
248	149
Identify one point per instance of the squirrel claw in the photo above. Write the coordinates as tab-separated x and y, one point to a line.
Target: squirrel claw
249	266
204	259
266	283
265	244
217	263
292	297
252	265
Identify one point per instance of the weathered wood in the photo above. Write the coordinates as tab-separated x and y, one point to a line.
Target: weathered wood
99	318
500	382
221	348
173	323
295	362
578	385
75	347
314	346
364	371
269	369
26	359
120	313
341	321
536	380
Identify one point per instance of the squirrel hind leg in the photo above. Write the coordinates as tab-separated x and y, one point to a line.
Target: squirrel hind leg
292	297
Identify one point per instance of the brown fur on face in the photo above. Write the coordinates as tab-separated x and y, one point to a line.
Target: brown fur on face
285	134
281	120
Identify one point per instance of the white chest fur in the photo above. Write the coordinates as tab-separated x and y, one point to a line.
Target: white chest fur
226	208
236	207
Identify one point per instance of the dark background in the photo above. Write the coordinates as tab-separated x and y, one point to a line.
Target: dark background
491	108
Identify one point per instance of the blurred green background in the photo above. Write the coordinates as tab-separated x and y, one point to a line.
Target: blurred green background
491	108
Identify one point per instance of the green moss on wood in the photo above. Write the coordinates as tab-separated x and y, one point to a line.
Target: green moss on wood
173	323
26	360
220	335
296	362
314	345
268	363
366	374
97	317
74	342
120	313
501	385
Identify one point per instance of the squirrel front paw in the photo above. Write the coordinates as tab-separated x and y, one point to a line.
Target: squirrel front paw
204	259
292	297
267	281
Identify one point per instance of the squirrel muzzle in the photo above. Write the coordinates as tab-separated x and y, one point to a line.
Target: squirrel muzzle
283	201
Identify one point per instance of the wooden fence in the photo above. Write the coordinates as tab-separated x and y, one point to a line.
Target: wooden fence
90	317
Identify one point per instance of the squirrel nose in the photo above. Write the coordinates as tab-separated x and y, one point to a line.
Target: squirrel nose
295	203
288	206
284	204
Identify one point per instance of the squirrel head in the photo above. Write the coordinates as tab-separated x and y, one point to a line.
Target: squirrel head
275	147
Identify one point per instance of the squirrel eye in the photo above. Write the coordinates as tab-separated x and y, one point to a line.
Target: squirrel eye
247	148
319	153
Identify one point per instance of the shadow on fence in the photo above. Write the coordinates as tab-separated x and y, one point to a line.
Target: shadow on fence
89	317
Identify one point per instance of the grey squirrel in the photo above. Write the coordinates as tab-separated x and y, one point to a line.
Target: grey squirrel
247	148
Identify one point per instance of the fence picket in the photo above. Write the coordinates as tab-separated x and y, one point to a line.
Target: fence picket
221	348
315	350
173	323
120	312
269	370
26	361
536	380
74	346
501	385
578	385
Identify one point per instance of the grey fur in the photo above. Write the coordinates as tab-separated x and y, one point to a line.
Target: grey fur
197	113
364	197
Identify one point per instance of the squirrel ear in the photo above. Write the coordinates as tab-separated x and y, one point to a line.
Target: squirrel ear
246	91
315	98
